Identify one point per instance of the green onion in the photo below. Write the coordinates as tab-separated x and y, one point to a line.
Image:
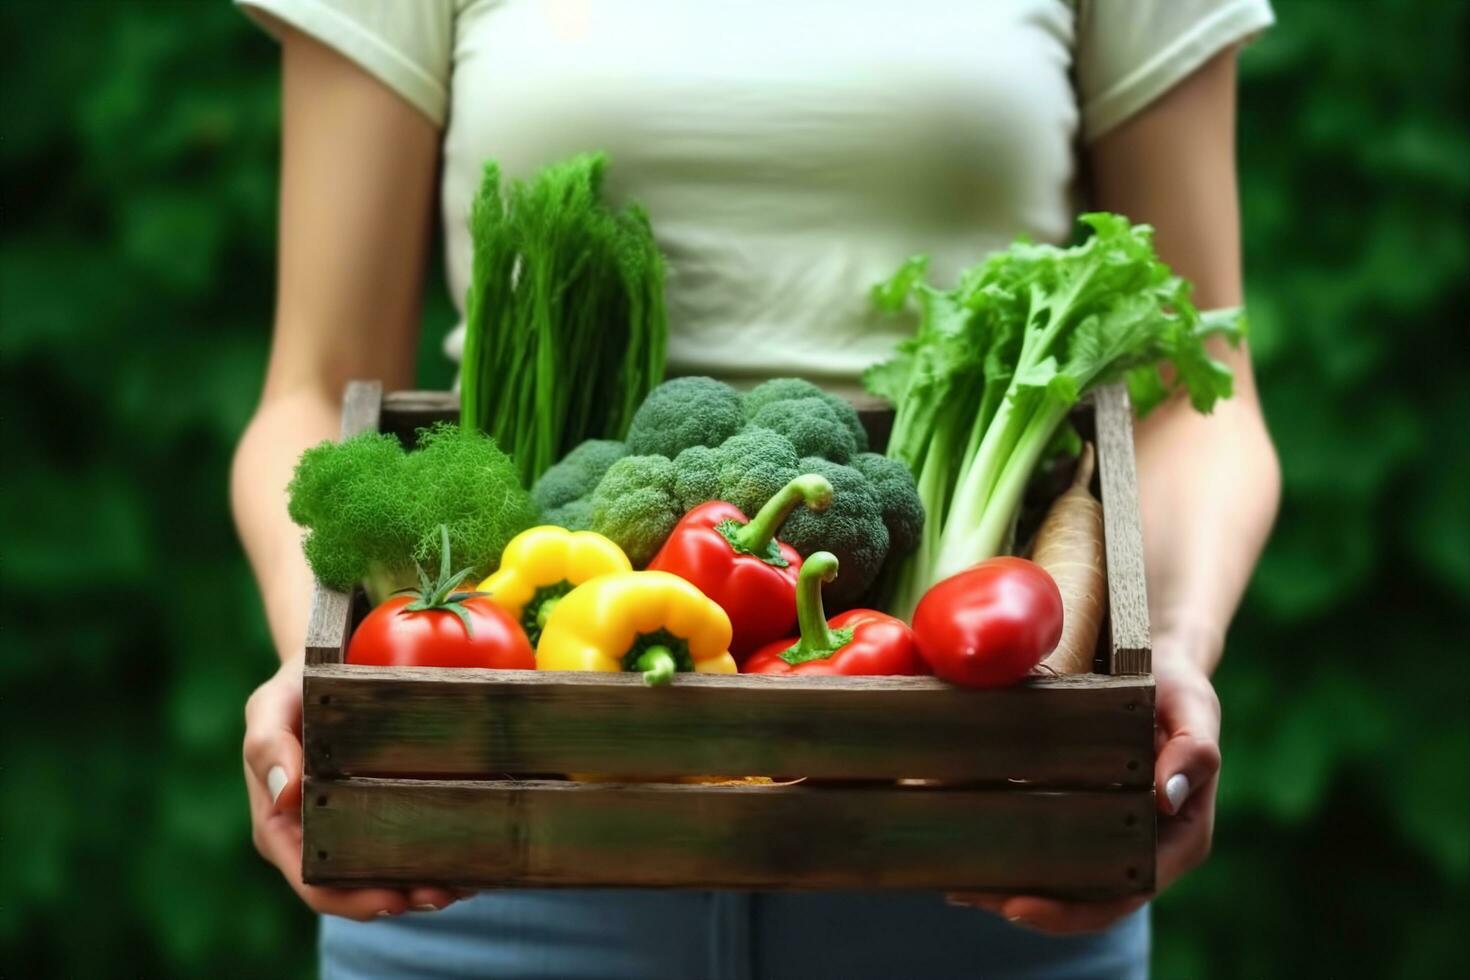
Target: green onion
565	321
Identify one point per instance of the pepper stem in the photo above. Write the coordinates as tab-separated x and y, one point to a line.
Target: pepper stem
809	488
817	638
658	665
543	612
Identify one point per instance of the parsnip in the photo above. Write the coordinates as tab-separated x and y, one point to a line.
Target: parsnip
1069	546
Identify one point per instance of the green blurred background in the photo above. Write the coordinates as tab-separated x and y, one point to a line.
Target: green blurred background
138	157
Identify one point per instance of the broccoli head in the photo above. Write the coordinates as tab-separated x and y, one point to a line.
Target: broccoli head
685	412
371	510
851	528
577	473
753	465
636	506
812	426
903	512
697	476
793	389
574	515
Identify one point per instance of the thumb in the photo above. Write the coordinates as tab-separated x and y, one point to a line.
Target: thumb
272	747
1189	758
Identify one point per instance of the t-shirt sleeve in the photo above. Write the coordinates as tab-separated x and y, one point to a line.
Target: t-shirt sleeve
408	45
1130	52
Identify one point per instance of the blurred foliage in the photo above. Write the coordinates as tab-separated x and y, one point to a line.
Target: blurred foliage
138	165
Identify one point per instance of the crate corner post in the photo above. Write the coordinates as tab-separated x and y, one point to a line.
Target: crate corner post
1129	648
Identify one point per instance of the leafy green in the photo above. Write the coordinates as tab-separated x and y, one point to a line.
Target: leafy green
564	318
371	511
986	383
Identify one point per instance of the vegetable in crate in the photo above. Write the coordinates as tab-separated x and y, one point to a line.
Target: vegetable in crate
565	326
1069	545
371	510
651	622
989	625
684	412
859	641
984	386
436	625
852	528
640	498
738	562
542	564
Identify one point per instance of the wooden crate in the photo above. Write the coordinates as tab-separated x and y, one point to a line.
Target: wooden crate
429	775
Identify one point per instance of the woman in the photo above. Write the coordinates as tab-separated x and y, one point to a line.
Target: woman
790	154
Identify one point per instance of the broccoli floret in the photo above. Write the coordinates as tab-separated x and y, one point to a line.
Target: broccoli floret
696	476
636	506
574	515
371	510
682	413
903	512
851	528
753	465
791	389
577	473
811	425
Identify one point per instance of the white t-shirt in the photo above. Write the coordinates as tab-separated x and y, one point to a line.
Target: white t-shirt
790	153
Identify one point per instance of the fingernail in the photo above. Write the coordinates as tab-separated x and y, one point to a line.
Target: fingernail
1177	791
424	908
958	903
275	781
1015	920
383	914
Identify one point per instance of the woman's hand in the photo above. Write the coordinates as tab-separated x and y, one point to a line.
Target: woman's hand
273	781
1186	775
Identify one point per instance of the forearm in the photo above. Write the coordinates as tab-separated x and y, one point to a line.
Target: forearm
283	426
1209	486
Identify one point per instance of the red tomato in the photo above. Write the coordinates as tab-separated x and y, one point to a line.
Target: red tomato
989	625
391	636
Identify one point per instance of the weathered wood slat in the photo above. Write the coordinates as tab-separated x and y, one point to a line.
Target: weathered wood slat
331	611
362	407
329	627
1084	730
1130	651
553	833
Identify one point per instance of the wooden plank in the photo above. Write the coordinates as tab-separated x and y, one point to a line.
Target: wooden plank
1083	730
329	627
556	833
362	407
331	611
1130	649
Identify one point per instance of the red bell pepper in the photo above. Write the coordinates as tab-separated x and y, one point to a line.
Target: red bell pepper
989	625
739	564
859	641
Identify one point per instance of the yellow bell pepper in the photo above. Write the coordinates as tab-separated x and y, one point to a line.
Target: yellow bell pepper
652	622
541	565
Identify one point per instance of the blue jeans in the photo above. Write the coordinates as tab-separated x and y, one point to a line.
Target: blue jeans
682	935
